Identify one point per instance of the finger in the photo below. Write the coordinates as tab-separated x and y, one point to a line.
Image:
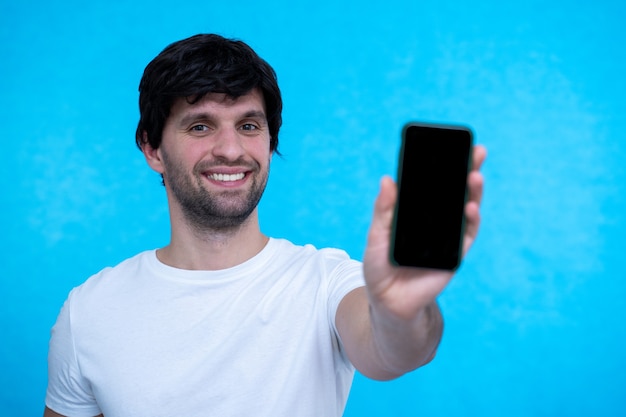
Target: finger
472	218
479	154
472	223
380	229
383	208
387	195
475	183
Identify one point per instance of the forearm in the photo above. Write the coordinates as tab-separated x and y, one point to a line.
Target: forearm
401	345
384	348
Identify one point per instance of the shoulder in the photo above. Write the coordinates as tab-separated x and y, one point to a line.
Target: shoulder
324	261
285	249
110	279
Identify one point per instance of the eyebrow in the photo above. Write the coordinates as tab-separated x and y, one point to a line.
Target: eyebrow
255	114
194	117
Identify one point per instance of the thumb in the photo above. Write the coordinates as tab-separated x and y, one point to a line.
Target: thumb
380	229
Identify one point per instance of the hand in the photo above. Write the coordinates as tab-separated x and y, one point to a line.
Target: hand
403	292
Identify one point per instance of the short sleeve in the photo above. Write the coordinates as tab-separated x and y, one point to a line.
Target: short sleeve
345	277
68	393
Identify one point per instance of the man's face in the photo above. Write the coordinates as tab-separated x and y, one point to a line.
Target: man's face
215	158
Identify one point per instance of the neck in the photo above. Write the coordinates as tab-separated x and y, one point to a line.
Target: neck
212	250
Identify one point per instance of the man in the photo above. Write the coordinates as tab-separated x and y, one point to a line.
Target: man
225	321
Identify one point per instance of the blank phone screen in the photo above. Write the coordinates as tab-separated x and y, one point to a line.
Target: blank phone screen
432	179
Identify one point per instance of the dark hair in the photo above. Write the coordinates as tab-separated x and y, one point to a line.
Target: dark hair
196	66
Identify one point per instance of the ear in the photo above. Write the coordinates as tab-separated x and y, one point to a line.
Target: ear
152	155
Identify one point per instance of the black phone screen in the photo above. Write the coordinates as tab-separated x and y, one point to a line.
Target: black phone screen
429	216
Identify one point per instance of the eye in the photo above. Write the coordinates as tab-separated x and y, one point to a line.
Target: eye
199	128
248	126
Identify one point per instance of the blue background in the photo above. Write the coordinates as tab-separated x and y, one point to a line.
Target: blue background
534	318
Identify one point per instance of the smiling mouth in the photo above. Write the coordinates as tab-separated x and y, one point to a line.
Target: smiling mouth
227	177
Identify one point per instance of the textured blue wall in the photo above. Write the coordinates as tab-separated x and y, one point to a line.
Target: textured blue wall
535	317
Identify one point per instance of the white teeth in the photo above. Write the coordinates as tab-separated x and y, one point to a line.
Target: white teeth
227	177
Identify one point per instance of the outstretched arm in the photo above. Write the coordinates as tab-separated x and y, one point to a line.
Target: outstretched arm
394	325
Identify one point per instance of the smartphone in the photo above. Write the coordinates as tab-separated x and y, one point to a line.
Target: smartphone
429	220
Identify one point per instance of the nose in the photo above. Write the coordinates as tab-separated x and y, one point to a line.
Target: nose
228	144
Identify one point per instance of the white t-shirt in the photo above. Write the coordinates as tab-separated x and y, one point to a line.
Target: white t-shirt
259	339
